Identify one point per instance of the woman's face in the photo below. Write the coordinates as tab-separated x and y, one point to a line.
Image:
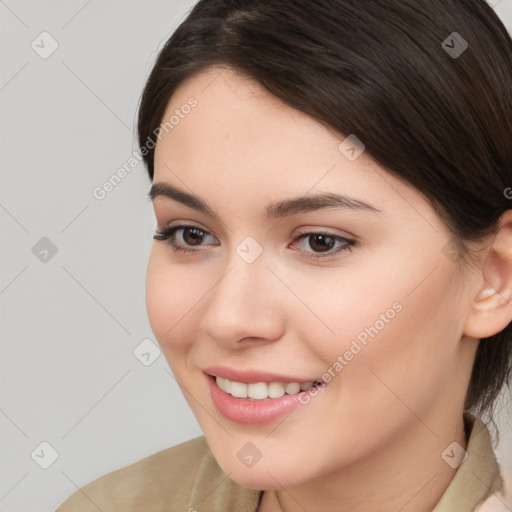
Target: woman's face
378	318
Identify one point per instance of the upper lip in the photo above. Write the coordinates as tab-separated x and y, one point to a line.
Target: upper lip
252	376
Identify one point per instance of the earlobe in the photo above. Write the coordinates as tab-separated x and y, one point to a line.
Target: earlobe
491	309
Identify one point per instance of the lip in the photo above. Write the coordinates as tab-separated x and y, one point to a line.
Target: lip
253	412
253	376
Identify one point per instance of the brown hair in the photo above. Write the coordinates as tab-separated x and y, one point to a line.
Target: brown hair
431	111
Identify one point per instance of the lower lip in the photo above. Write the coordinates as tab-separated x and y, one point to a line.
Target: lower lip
252	412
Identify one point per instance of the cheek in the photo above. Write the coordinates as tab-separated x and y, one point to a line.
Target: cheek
170	297
398	348
350	313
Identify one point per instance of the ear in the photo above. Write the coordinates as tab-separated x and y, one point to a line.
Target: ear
491	309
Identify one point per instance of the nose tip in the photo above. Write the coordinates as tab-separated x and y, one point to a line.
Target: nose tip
242	305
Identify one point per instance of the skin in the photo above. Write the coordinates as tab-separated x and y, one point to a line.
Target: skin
374	435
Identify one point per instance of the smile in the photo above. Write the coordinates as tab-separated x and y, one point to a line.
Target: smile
262	390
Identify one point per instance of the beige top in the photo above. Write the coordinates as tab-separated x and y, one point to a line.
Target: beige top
187	478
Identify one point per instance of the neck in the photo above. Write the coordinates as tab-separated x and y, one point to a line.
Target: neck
407	475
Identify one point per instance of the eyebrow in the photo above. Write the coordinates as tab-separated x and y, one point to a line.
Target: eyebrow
274	210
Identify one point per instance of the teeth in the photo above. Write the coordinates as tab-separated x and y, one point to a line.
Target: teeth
261	390
238	389
257	391
292	388
275	389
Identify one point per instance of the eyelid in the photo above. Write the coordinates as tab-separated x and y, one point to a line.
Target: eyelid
167	234
185	224
326	231
302	231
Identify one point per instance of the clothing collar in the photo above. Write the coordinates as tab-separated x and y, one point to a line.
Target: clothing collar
476	479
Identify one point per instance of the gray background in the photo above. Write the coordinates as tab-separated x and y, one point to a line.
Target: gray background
72	320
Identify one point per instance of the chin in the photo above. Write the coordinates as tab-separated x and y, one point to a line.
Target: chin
259	480
264	475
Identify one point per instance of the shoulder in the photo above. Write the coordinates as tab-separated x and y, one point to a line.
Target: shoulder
149	483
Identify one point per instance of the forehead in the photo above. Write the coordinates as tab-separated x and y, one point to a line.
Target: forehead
234	112
237	125
241	141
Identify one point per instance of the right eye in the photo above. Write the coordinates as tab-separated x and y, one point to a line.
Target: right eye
190	235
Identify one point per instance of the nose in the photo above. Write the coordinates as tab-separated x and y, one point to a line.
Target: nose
245	305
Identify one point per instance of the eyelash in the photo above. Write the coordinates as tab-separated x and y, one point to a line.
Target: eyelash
167	233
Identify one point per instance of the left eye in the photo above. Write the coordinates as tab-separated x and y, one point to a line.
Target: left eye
324	242
193	236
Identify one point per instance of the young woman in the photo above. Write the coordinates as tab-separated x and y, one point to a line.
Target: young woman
331	276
